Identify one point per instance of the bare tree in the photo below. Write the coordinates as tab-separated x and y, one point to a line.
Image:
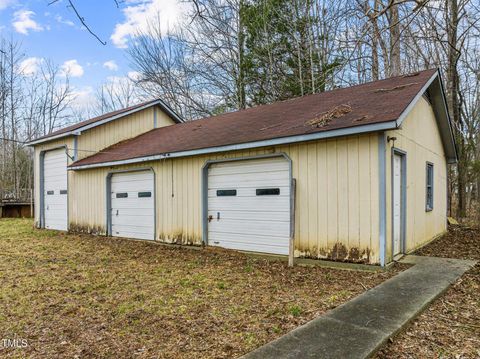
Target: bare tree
116	93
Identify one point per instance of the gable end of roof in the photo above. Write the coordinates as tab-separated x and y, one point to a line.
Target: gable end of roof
76	129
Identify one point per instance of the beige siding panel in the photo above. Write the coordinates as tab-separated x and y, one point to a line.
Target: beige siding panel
342	193
336	199
353	192
322	197
374	246
312	188
332	195
103	136
419	137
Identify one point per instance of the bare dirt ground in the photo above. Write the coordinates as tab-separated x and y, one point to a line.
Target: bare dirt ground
79	296
450	327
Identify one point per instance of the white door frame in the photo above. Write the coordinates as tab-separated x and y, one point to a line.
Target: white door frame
42	185
403	199
205	168
108	193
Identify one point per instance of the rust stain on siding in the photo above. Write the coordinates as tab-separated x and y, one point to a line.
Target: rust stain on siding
339	253
180	238
86	229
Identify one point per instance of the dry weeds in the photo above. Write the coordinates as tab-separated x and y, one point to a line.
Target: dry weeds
83	296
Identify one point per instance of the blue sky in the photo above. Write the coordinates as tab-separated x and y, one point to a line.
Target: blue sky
54	32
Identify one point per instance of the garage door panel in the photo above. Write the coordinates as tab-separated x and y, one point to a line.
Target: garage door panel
270	244
241	167
242	204
132	186
133	212
133	216
132	205
249	221
128	177
55	180
133	234
248	180
252	216
55	200
257	228
132	227
141	221
250	192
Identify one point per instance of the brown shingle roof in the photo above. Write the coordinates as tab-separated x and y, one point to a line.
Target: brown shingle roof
370	103
105	116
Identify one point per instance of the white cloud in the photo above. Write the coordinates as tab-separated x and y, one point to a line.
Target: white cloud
71	68
111	65
30	66
6	3
84	97
140	13
23	22
61	20
134	75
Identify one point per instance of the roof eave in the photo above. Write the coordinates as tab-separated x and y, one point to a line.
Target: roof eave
383	126
79	130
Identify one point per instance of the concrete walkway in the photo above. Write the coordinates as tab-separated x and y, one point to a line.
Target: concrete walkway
358	328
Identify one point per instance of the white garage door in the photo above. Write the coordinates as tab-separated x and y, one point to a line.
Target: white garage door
55	189
249	205
132	205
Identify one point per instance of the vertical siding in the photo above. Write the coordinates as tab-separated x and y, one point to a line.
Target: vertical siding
336	203
100	137
419	137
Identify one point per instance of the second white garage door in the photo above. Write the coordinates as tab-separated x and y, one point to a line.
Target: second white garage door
133	205
249	205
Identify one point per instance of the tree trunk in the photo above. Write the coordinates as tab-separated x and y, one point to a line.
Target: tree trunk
454	103
394	27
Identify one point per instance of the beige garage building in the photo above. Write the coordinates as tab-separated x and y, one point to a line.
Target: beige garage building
356	174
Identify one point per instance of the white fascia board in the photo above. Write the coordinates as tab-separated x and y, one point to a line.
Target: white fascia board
79	130
412	104
417	97
272	142
61	135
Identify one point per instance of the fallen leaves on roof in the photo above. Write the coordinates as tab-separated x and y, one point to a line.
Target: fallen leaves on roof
325	117
395	88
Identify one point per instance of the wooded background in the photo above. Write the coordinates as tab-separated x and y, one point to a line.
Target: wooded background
233	54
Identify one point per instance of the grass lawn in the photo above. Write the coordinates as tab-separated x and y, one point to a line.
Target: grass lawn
84	296
450	327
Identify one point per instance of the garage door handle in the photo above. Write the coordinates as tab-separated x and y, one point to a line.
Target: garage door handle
218	216
48	207
117	213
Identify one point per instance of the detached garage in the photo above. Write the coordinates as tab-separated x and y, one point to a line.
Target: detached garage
356	174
